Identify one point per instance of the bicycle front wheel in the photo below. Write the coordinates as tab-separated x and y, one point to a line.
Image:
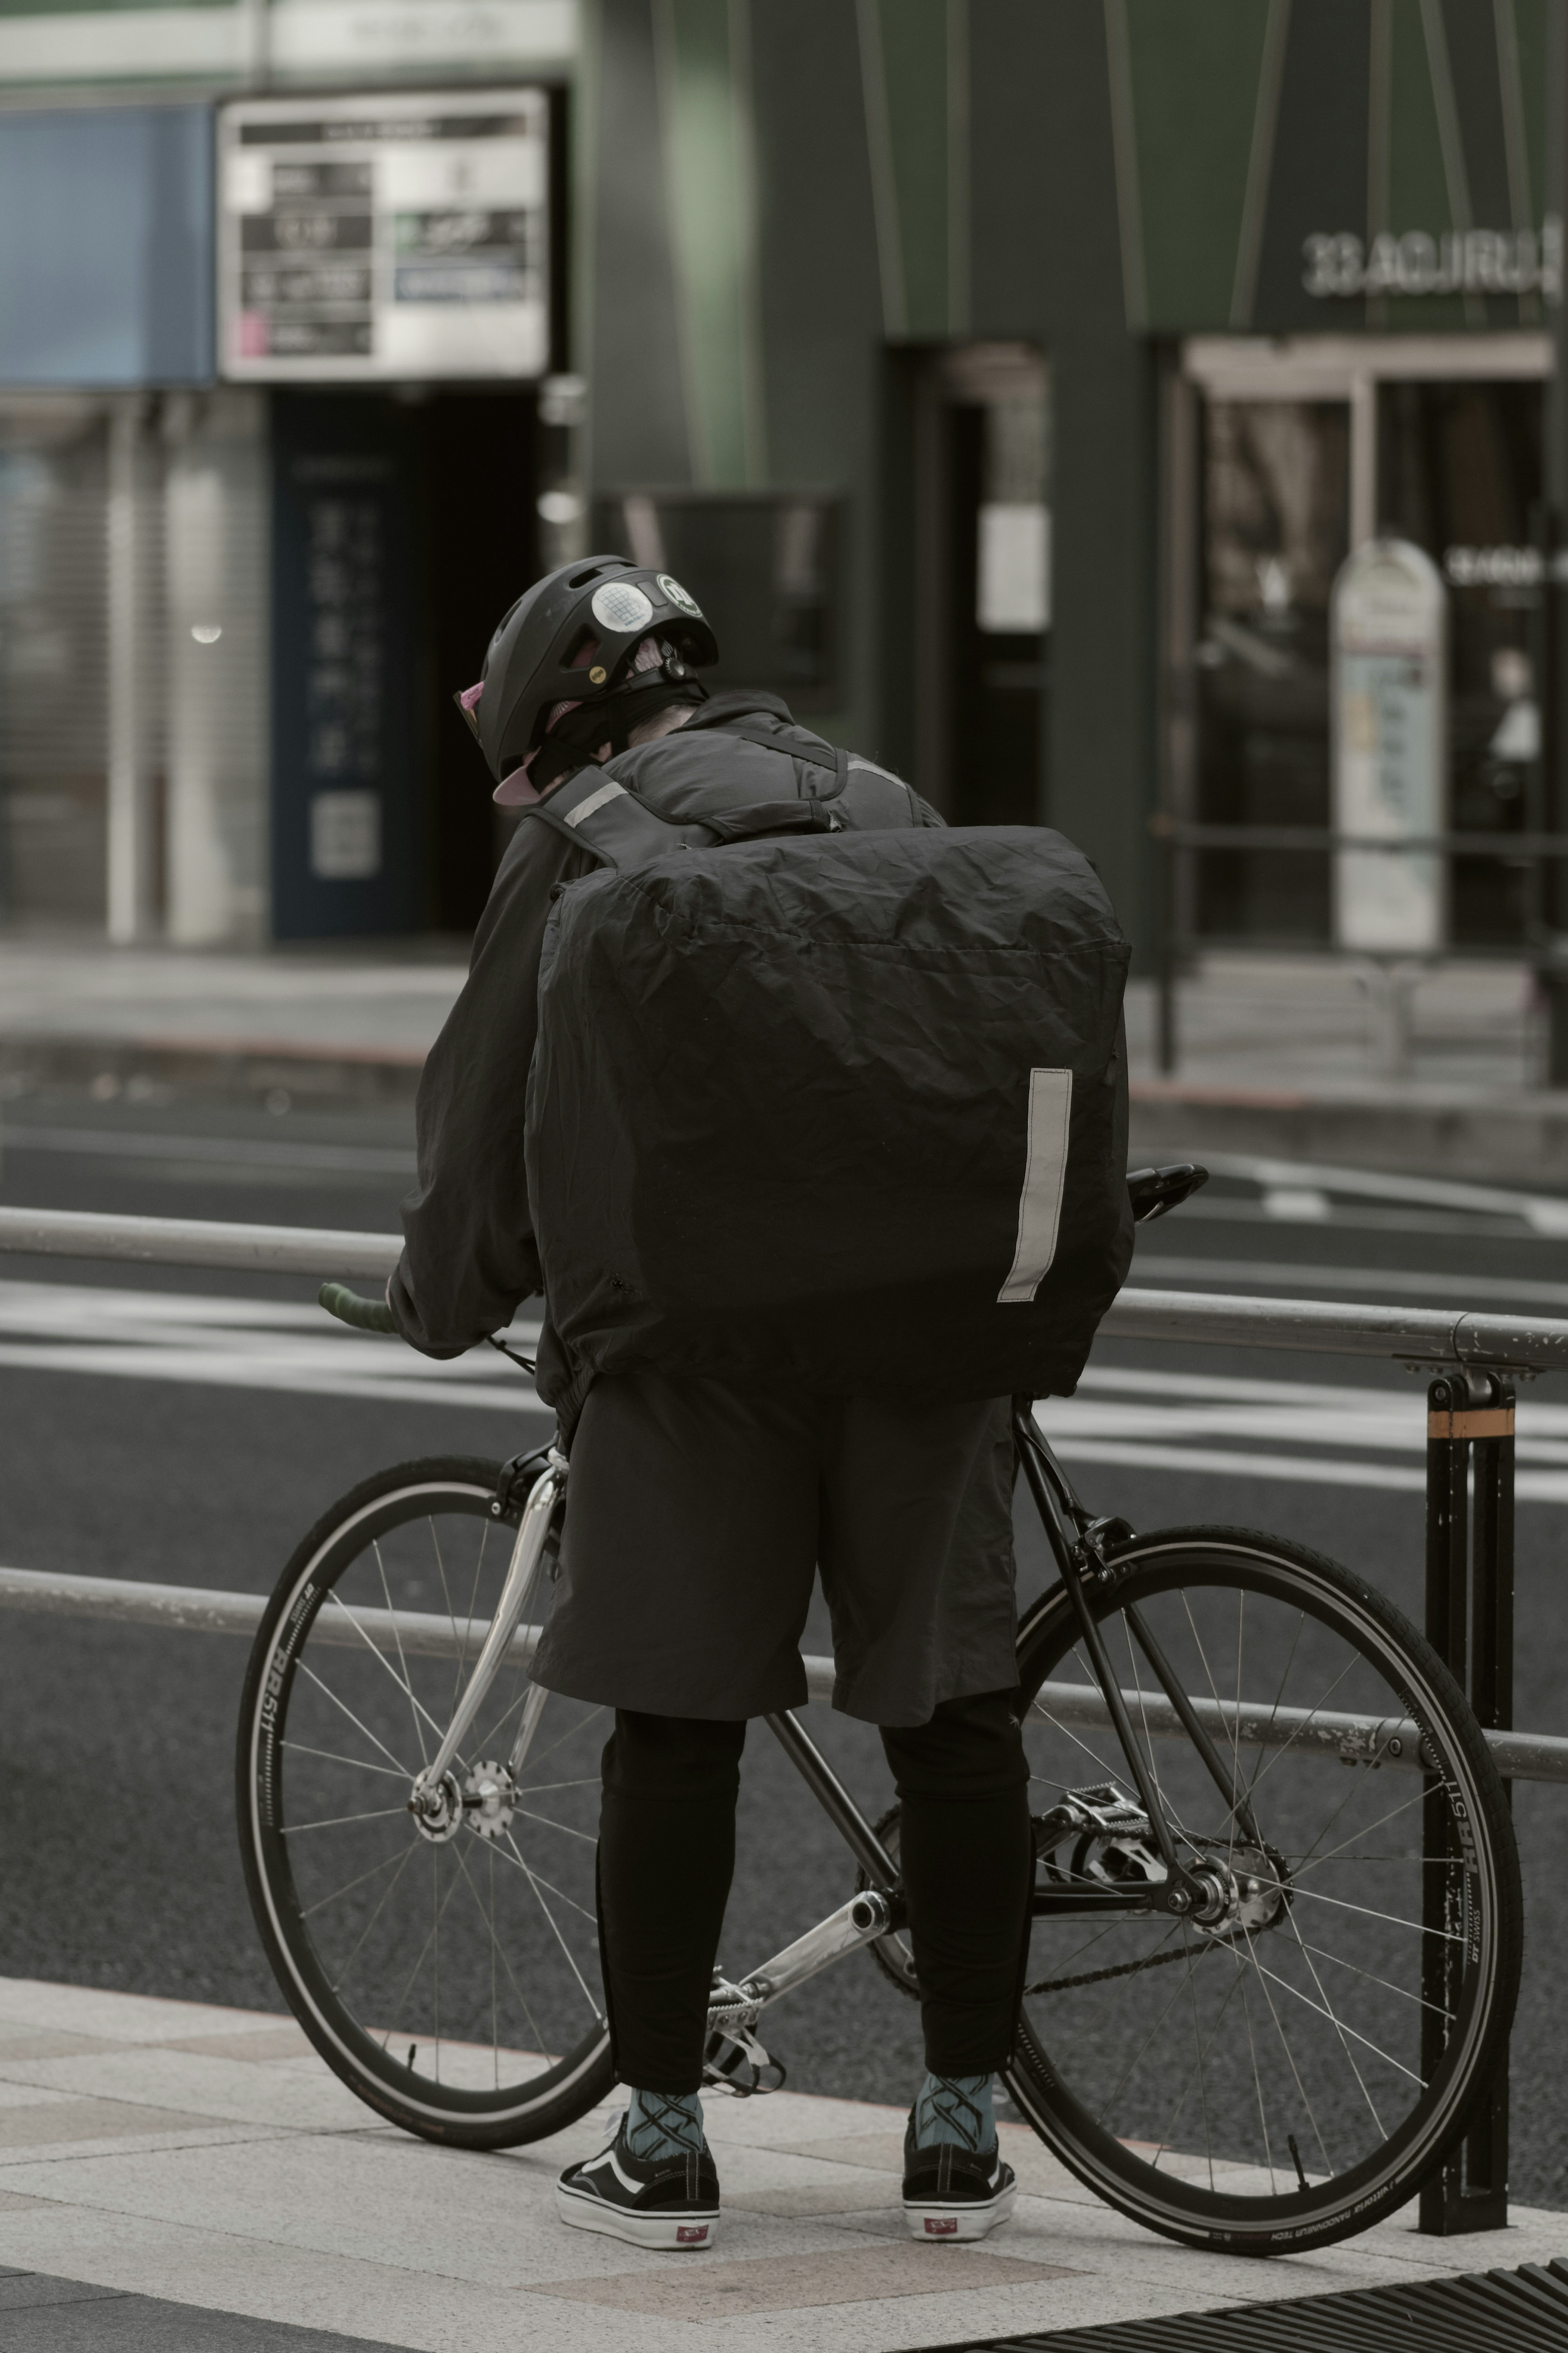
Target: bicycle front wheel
1284	2072
447	1972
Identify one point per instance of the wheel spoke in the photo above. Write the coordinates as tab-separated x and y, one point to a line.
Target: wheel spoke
360	1764
1312	1861
1372	1978
328	1692
536	1883
402	1661
1340	1904
338	1821
377	1654
1295	1991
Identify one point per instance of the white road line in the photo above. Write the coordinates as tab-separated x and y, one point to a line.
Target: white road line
1318	1433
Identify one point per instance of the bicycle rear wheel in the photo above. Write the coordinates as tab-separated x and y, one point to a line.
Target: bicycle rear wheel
1286	2075
451	1978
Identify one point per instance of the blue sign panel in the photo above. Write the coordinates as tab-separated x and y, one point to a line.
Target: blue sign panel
106	247
346	709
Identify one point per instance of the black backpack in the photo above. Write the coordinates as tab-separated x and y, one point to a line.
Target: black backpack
825	1094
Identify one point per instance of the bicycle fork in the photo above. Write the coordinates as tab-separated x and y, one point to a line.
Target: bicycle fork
437	1801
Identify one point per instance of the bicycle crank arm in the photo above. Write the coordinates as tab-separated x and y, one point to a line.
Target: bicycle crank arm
874	1913
526	1553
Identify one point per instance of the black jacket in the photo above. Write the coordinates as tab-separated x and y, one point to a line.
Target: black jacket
470	1257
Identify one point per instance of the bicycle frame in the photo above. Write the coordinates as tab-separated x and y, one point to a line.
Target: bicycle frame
1078	1544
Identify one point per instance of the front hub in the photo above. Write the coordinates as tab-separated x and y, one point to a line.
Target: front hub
437	1809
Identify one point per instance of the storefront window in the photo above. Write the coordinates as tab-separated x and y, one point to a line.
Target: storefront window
53	664
1459	473
1284	456
1274	529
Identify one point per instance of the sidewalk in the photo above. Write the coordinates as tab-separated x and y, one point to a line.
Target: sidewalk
206	2158
1277	1054
357	1020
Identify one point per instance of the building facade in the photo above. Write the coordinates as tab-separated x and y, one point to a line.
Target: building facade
1012	378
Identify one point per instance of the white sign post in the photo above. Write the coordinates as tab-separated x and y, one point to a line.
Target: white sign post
1388	621
405	236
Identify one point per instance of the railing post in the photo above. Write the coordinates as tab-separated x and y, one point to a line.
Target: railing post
1469	1622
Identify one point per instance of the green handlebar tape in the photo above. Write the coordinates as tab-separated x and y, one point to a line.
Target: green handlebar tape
365	1314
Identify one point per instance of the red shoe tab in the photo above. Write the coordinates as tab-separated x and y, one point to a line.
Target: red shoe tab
940	2226
690	2234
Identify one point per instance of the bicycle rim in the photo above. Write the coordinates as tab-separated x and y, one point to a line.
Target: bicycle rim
1288	2075
452	1982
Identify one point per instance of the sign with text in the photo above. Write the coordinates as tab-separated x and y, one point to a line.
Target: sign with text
1388	620
403	236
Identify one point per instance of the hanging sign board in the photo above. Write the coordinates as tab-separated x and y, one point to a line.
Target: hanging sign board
1388	620
402	237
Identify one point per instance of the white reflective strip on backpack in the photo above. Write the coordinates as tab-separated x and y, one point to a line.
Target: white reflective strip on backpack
1044	1172
595	800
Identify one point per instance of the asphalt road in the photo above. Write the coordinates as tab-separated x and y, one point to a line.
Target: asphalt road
192	1465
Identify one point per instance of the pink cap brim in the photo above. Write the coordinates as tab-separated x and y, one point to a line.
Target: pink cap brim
514	791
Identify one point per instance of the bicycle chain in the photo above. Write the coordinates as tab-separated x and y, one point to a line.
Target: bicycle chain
1123	1968
1132	1969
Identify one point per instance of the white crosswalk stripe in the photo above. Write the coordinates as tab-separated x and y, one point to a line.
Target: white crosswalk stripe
1319	1433
1337	1435
256	1344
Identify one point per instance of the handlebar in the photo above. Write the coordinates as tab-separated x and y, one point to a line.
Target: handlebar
349	1307
1155	1190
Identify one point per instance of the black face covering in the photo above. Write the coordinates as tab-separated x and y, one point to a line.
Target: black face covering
576	740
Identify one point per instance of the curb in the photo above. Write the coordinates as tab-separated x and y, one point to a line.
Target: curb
1516	1137
221	1066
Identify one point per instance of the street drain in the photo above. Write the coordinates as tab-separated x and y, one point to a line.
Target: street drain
1524	2311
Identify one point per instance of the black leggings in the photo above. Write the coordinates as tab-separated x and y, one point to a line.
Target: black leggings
667	1853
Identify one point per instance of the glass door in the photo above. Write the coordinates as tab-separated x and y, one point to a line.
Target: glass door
1283	457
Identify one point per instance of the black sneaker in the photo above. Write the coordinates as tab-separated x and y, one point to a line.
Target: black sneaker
955	2193
662	2202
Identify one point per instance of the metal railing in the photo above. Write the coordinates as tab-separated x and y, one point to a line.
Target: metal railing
1469	1518
1180	842
1411	1335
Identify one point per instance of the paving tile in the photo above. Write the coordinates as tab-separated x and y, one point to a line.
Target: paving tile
704	2290
233	2090
26	2043
288	2040
1039	2174
791	2200
36	2122
122	2017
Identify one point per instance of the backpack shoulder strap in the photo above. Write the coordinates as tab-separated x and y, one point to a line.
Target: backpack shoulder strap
594	812
836	761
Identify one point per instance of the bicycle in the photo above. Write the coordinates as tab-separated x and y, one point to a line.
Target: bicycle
1277	1921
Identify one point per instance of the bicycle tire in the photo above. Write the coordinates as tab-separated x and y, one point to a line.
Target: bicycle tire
1052	2069
279	1783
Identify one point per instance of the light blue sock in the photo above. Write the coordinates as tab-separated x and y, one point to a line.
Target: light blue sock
665	2123
955	2111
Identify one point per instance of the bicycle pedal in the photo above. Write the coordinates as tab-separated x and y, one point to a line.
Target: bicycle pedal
733	2061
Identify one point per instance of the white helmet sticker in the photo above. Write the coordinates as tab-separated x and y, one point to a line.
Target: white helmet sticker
618	606
680	597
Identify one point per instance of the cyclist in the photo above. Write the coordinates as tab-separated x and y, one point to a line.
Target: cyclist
698	1514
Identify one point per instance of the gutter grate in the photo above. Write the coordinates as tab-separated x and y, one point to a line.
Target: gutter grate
1524	2311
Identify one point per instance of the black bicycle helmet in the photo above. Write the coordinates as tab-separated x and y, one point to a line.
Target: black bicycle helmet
571	638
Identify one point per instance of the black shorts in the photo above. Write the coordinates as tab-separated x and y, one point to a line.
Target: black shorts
696	1516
